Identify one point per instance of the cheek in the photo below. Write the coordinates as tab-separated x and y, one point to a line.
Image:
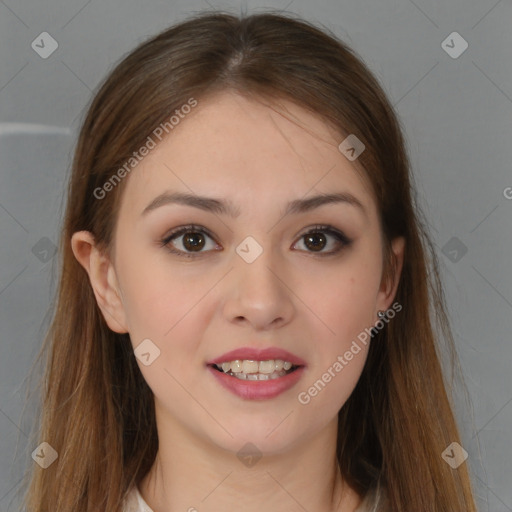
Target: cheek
156	294
343	299
171	307
173	313
340	358
328	391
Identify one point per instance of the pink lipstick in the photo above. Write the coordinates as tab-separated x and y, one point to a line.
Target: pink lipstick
257	374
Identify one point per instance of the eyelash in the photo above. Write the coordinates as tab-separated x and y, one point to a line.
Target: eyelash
192	228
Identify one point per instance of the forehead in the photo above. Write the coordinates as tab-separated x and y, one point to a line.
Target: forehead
249	151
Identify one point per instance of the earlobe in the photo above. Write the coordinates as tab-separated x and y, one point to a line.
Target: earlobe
103	279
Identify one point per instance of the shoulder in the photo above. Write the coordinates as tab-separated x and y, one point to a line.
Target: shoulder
134	502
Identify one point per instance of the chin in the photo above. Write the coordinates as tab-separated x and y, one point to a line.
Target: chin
258	437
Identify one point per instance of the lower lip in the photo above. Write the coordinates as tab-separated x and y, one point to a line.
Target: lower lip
257	389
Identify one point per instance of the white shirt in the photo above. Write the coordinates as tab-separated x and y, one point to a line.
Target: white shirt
135	502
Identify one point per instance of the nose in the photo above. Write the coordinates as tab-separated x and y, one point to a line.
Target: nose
259	293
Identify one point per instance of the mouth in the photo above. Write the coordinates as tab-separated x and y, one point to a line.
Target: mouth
254	370
255	373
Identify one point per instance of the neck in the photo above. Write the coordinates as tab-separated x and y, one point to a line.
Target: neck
193	474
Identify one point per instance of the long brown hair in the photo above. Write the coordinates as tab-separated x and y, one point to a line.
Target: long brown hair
98	411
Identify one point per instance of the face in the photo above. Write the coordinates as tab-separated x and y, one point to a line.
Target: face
199	281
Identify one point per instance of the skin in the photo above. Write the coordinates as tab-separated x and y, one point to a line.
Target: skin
292	297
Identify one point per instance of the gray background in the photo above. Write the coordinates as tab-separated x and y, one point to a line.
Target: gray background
456	113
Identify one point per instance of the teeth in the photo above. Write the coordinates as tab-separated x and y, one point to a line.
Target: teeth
250	366
236	366
267	366
279	364
255	370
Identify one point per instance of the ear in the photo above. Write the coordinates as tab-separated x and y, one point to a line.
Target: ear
389	286
103	279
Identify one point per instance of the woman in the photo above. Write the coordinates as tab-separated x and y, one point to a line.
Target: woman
243	316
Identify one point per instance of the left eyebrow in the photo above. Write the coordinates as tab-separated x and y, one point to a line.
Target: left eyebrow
218	206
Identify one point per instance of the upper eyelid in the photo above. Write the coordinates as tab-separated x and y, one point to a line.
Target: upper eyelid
179	231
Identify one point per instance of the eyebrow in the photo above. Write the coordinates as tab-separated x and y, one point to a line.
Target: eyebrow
218	206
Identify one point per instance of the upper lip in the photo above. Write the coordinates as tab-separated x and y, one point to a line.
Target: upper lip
259	354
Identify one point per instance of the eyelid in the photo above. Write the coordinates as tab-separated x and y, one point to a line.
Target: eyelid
185	229
340	236
181	230
342	239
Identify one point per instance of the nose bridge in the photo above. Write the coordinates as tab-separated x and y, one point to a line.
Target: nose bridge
258	291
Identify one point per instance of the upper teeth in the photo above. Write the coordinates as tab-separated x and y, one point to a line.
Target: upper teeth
251	366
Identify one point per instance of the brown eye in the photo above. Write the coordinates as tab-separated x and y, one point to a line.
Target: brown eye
315	241
189	241
193	241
